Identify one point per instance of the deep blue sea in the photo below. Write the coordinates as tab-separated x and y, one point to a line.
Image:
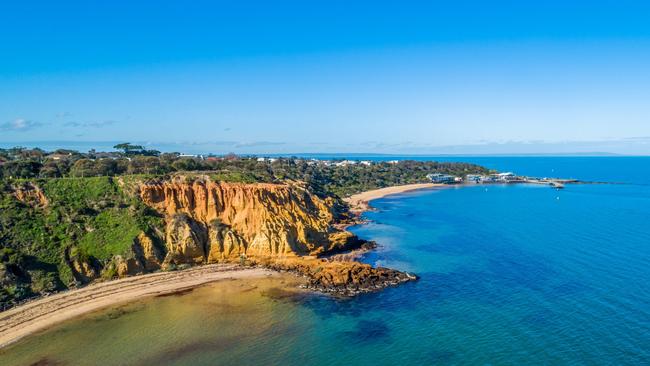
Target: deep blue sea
520	274
514	274
509	275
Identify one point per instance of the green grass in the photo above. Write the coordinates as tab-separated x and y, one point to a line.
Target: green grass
79	192
93	219
112	234
234	177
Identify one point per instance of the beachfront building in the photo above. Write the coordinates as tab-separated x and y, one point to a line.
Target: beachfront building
506	177
474	178
346	163
59	156
441	178
196	156
501	178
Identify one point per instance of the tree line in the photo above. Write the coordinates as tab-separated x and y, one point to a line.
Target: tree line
321	177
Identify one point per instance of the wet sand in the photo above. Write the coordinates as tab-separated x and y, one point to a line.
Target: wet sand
44	312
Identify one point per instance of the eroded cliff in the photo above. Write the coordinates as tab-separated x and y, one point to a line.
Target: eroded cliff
60	233
212	221
282	226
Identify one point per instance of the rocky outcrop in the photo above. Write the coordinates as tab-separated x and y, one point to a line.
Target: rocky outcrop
225	220
30	194
341	278
176	222
83	271
147	252
145	255
280	226
186	240
224	243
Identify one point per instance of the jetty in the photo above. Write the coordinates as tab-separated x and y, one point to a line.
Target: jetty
558	184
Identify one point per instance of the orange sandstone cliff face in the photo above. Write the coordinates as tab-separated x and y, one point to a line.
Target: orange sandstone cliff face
282	226
30	194
187	221
212	221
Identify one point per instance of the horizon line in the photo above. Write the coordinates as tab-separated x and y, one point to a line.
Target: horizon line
343	154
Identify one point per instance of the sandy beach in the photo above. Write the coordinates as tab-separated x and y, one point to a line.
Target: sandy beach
360	202
42	313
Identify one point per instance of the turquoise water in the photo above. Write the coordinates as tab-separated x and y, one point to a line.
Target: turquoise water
510	275
520	274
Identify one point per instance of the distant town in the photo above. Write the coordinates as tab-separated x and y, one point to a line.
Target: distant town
135	159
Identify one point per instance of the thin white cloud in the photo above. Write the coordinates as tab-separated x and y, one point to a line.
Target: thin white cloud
93	124
259	143
20	125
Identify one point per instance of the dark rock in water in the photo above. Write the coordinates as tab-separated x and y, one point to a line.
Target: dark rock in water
437	357
360	281
341	278
280	294
368	331
47	362
180	292
182	351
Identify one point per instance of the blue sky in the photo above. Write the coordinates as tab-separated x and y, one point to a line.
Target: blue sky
309	76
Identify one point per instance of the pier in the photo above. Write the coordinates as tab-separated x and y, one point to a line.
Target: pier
555	183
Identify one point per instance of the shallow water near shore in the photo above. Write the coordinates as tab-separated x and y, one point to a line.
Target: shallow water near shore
215	321
518	274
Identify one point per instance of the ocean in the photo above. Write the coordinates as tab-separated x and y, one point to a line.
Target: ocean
509	275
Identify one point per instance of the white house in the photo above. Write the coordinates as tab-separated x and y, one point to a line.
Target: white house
441	178
346	163
507	176
474	178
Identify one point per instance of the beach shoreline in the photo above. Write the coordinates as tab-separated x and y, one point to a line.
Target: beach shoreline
43	313
360	202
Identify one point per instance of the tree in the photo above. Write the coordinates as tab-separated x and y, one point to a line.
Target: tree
50	170
186	164
106	167
128	148
150	152
145	165
21	169
84	168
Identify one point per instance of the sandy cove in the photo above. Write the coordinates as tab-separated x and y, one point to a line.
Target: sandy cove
360	202
42	313
45	312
